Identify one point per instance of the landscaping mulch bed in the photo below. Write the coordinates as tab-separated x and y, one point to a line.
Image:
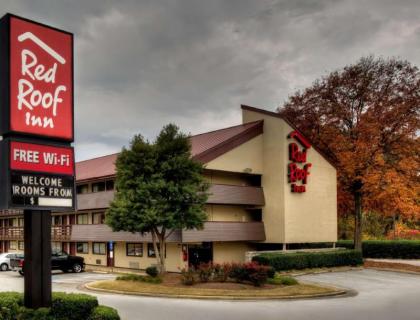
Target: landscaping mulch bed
174	280
171	286
391	265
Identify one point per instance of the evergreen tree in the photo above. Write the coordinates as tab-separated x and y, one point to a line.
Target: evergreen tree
160	189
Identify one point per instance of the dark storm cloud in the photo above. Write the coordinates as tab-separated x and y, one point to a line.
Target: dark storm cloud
142	64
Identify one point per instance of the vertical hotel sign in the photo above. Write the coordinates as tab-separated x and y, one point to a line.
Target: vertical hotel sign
36	106
298	168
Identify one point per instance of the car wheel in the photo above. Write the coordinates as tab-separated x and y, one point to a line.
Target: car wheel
4	267
21	272
77	268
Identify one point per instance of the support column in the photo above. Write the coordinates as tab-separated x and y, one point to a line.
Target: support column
37	264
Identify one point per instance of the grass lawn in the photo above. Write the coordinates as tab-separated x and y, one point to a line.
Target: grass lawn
227	290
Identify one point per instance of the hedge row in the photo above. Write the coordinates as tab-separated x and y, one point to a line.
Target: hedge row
303	260
391	249
65	306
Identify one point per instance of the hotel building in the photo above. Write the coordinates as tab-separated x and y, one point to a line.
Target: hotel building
270	189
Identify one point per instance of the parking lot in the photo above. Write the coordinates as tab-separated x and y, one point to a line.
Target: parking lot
380	296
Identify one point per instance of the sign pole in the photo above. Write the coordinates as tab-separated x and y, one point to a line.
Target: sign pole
37	262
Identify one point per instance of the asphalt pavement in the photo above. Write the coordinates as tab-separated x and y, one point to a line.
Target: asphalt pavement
380	295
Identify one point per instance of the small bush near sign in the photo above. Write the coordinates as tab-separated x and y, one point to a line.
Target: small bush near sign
303	260
391	249
65	306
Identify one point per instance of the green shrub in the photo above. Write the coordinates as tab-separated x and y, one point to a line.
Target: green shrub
140	278
39	314
283	280
152	271
387	249
221	271
104	313
9	304
205	271
188	276
69	306
271	273
64	307
250	272
303	260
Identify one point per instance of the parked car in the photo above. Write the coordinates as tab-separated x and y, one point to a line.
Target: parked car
5	260
59	261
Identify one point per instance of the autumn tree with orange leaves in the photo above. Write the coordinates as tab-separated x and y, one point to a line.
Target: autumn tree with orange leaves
366	118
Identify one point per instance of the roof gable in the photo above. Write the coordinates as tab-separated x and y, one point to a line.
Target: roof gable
204	147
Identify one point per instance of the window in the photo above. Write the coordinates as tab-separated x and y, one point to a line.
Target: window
135	249
98	218
82	218
12	245
98	186
109	185
56	247
99	248
21	245
82	247
151	250
56	220
83	188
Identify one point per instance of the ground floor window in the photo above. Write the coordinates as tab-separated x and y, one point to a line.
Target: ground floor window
135	249
82	247
82	218
21	245
13	245
99	248
151	250
56	247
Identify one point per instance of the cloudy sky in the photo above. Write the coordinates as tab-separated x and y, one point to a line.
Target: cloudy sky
142	64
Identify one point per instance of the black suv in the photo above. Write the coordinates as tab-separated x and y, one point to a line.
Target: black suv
59	261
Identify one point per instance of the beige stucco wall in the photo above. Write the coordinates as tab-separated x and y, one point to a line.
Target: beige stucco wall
291	217
232	178
230	251
273	174
312	216
248	157
173	257
227	213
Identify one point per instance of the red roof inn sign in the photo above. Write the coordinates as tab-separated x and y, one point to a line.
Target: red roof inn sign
298	168
36	110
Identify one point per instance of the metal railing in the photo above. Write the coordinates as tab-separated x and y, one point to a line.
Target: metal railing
58	233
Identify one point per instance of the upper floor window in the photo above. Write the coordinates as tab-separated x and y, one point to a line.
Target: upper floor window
82	218
98	218
98	186
109	185
83	188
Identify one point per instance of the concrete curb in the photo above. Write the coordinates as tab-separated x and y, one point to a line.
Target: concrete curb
304	273
393	270
338	292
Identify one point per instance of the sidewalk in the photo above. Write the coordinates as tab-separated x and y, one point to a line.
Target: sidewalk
413	262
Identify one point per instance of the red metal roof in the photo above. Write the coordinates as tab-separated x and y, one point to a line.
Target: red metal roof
202	142
204	147
96	168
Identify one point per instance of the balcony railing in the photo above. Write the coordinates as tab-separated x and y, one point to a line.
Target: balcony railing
58	233
9	213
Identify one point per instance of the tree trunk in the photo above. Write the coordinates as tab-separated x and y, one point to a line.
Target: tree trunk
159	250
358	220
